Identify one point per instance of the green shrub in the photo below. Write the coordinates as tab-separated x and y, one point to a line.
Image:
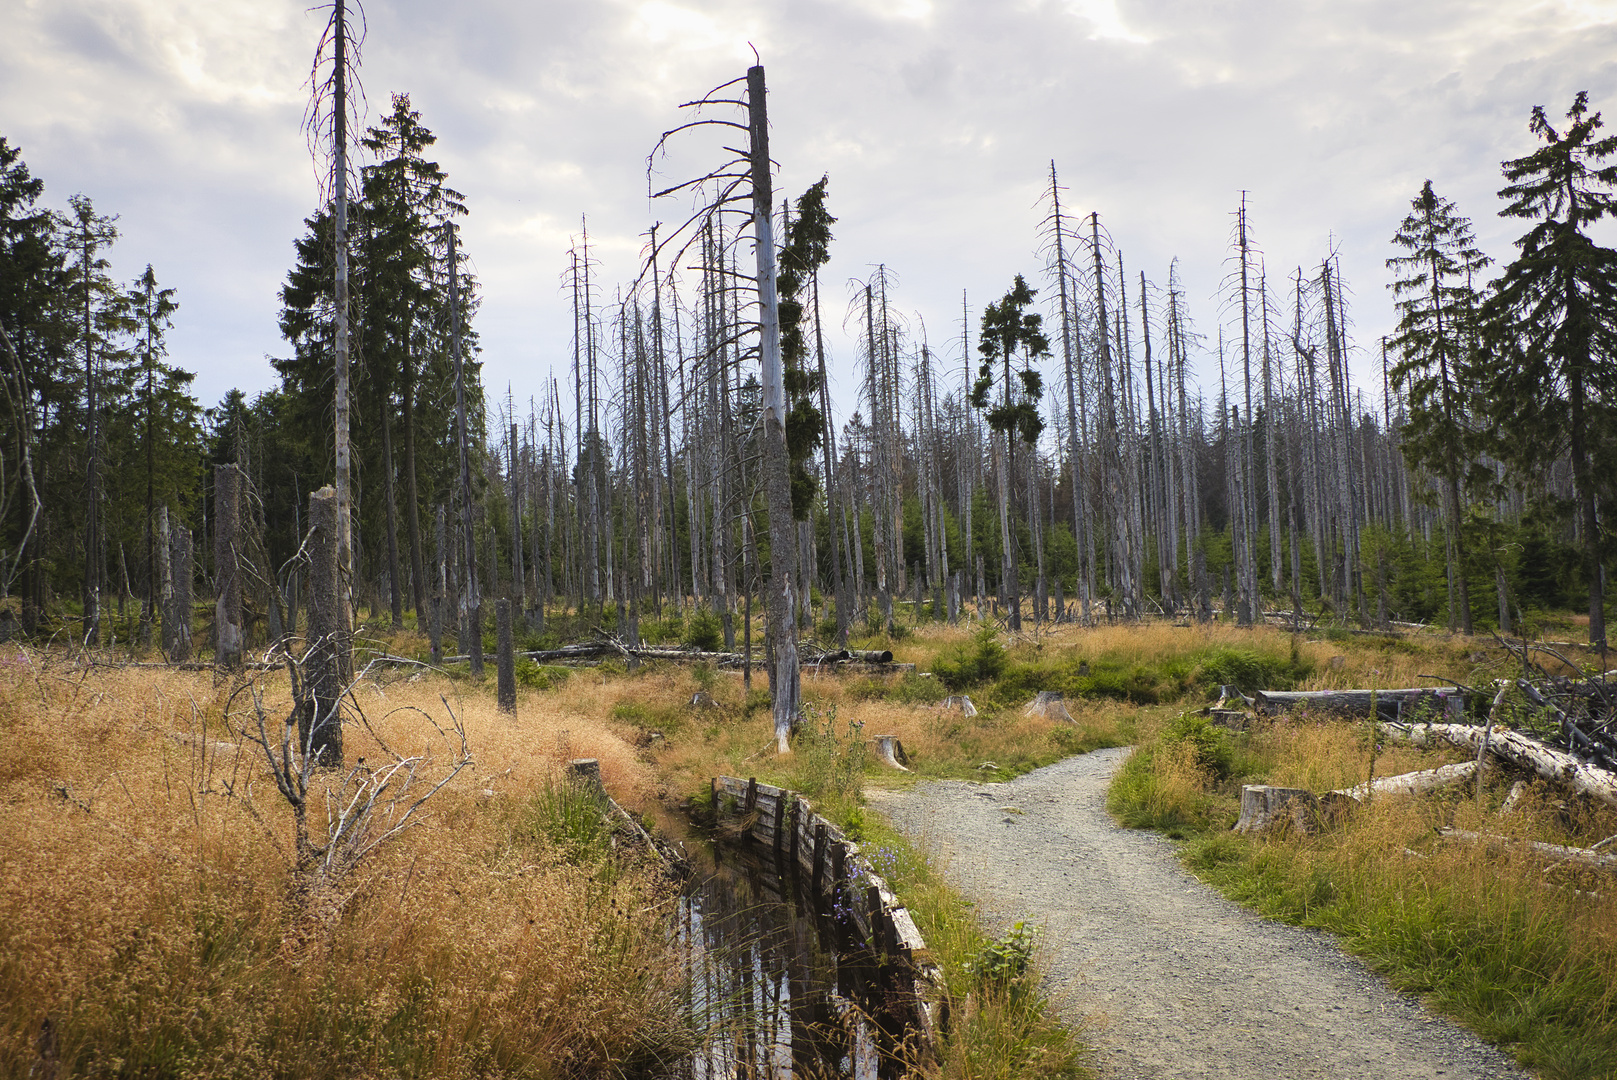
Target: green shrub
538	677
1248	669
964	667
914	690
1001	963
705	632
1214	749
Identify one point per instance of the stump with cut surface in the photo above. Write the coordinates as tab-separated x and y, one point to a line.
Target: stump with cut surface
1050	705
1264	808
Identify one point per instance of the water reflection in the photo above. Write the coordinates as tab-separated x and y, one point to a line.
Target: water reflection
785	991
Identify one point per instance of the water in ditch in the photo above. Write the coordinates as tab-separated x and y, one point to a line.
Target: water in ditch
783	991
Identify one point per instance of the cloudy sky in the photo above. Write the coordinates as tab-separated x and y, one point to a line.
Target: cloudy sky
935	121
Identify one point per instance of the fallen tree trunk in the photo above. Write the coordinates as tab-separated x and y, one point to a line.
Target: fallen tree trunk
1390	705
1581	856
1548	762
1413	783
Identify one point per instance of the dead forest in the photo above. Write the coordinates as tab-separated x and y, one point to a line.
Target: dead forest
1058	454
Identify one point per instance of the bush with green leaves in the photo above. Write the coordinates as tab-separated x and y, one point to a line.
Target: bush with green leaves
1001	962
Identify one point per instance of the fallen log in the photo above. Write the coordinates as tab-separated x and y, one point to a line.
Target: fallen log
1414	783
1580	856
1390	705
1525	751
871	656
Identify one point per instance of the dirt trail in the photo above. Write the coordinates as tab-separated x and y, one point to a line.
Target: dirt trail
1179	981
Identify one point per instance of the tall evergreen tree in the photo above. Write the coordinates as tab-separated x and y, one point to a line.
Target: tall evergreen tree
1436	333
1008	328
1551	323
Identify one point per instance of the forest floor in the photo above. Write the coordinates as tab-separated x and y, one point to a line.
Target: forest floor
1165	976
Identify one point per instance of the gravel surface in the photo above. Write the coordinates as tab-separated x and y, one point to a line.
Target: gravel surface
1170	979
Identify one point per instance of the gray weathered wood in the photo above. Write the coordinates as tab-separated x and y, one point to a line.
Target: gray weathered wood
1264	808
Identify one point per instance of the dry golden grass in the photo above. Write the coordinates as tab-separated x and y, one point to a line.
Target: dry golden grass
149	908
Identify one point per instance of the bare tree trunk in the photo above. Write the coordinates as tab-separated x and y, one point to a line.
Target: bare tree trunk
228	492
784	686
320	720
177	621
471	605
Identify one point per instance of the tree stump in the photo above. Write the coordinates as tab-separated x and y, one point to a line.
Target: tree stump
1050	705
1265	808
325	664
703	700
960	702
506	661
587	772
177	620
1230	719
891	752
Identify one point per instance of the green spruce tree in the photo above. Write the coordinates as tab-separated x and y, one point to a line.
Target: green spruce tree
1551	325
1435	341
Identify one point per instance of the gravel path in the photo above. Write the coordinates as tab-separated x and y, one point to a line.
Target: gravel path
1174	980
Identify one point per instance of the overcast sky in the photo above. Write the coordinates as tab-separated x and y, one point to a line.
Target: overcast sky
935	121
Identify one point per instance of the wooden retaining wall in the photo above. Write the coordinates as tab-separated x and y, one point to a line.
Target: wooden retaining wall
833	870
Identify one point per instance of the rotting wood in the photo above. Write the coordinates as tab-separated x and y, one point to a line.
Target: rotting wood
1412	783
840	874
1548	762
1586	857
1390	705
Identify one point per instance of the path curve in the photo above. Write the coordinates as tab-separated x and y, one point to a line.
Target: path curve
1176	980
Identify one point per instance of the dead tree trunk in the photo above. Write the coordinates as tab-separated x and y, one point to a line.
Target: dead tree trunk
177	620
228	490
784	686
471	606
326	663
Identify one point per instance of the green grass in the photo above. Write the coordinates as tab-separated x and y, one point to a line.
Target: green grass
1526	959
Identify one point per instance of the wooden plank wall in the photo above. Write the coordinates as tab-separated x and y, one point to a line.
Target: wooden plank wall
831	868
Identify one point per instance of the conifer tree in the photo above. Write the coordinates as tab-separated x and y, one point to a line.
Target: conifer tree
1551	324
1008	328
1437	308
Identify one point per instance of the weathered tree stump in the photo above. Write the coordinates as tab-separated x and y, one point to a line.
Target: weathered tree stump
586	771
703	700
325	663
1264	808
959	702
506	661
891	752
177	620
1230	719
1050	705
